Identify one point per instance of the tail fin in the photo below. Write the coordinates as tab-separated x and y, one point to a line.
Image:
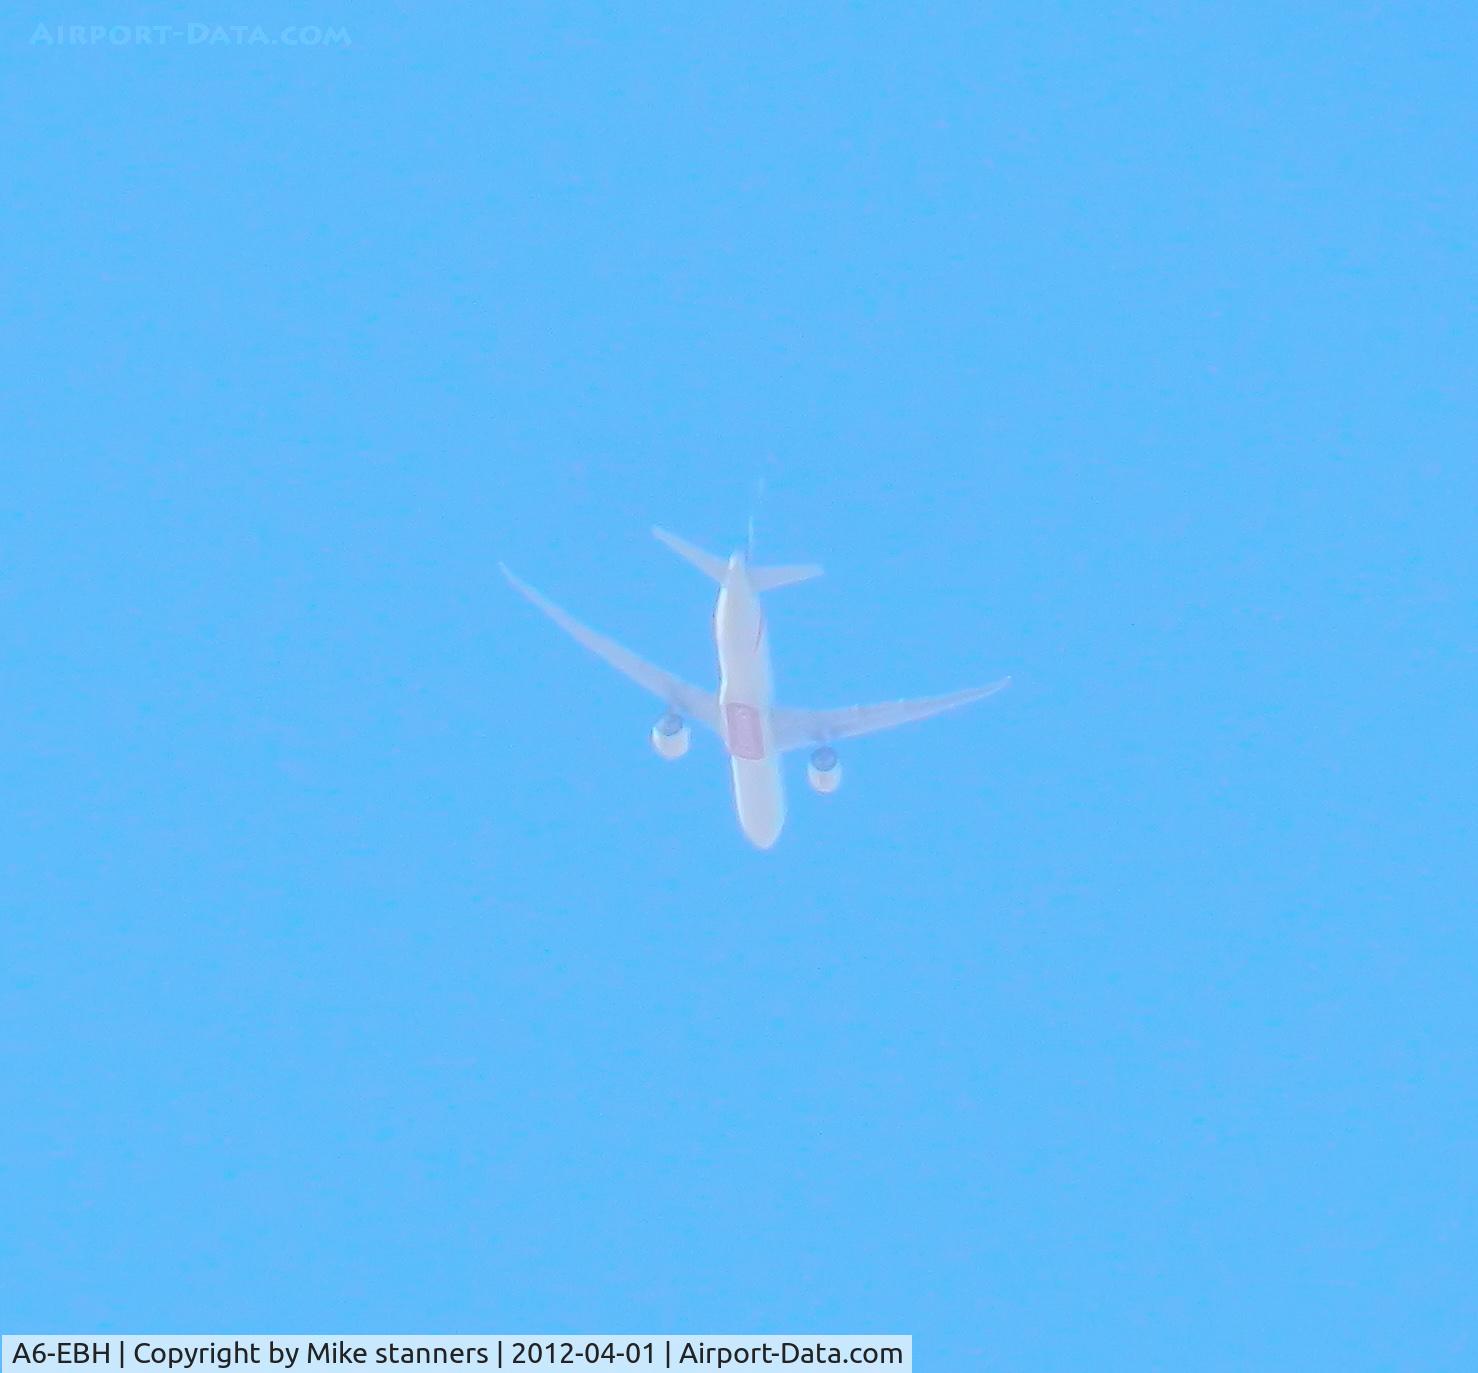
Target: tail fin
769	578
704	562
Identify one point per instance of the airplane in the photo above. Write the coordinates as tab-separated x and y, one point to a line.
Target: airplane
753	730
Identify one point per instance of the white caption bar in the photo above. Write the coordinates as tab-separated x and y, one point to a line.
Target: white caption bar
476	1353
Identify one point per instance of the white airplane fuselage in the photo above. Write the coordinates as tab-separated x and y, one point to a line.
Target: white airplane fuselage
753	729
745	695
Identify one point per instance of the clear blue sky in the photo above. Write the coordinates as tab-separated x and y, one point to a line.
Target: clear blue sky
364	970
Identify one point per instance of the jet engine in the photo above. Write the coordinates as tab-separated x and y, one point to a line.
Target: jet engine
824	771
670	736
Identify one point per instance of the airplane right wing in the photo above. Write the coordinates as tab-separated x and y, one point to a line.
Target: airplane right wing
802	728
687	700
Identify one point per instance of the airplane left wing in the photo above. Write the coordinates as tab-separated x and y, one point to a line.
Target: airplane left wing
802	728
687	700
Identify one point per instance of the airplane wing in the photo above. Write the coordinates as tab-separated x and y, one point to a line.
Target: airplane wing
803	728
701	706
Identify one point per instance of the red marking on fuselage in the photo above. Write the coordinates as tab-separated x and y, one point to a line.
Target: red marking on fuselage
744	731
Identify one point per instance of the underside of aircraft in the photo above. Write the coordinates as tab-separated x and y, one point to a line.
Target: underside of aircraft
752	728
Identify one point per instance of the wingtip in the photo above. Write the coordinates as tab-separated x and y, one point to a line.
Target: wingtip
513	579
990	689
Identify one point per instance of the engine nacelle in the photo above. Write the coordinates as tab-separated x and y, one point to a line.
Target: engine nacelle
670	736
824	771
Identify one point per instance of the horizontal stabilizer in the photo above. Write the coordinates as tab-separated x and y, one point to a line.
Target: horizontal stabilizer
769	578
704	562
